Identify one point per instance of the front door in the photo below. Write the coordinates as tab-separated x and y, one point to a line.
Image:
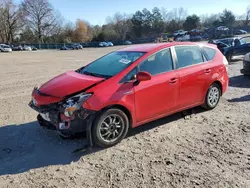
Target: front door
157	96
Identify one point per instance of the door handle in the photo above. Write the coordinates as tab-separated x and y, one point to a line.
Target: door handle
173	80
207	71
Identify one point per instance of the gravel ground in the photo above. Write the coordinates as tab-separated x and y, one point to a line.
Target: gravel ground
206	149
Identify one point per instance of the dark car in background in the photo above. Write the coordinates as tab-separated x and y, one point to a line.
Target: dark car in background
233	46
65	48
240	32
246	65
241	47
17	48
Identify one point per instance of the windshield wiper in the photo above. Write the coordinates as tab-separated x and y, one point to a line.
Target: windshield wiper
96	75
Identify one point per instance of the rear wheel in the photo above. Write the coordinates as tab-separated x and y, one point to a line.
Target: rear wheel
110	127
212	97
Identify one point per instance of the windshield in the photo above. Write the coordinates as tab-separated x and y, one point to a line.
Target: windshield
111	64
245	40
5	46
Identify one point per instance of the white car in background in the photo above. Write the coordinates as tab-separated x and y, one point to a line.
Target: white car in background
222	28
5	48
180	32
27	48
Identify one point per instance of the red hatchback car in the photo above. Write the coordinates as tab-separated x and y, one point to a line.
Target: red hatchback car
131	87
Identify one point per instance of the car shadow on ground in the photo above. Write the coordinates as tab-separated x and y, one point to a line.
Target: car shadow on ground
28	146
240	81
240	99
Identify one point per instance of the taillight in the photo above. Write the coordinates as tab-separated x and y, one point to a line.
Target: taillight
225	62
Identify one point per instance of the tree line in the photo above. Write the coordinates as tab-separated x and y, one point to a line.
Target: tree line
37	21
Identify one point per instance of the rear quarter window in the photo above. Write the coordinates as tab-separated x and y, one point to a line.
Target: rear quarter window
209	53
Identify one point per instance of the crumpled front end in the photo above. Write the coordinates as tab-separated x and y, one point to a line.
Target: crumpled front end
60	114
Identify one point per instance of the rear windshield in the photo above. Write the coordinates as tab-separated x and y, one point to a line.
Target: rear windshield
111	64
209	53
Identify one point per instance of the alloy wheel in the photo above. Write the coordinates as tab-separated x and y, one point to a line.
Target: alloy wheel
111	128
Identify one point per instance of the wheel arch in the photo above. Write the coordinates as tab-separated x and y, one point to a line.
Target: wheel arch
219	84
122	108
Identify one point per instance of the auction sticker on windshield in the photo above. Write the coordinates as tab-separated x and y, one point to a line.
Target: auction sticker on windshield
125	61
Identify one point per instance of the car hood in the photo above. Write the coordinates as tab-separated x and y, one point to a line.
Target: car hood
68	83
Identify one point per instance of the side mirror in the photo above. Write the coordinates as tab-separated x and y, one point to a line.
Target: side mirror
143	76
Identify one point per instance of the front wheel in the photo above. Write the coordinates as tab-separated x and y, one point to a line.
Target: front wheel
212	97
110	127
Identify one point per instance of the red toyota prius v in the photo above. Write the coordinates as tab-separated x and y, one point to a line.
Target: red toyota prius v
130	87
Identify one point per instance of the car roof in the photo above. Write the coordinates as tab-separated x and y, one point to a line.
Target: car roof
155	46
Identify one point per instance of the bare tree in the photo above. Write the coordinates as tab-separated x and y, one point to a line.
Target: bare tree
122	24
2	22
247	16
13	17
40	16
179	15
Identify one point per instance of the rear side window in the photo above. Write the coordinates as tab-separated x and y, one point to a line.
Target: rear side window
188	55
209	53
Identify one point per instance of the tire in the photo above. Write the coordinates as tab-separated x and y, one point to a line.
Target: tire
209	103
103	129
229	57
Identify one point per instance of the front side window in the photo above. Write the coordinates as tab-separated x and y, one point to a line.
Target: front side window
158	63
188	55
111	64
130	76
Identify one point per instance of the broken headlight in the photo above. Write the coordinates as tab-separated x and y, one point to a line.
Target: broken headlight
74	103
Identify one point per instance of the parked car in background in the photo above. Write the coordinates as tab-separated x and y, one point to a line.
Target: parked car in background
228	41
110	44
27	48
33	48
240	32
103	44
17	48
222	28
180	32
241	47
194	38
182	38
246	65
76	46
127	42
65	48
195	32
5	48
115	92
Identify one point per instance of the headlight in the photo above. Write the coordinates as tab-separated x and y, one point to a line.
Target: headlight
74	103
247	57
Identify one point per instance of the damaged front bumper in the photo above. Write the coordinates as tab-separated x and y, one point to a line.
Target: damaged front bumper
51	118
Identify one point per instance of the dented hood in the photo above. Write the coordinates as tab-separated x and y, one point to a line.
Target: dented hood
68	83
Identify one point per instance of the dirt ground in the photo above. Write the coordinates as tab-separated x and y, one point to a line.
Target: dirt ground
208	149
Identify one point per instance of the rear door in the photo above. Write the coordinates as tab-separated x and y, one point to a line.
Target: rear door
194	75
